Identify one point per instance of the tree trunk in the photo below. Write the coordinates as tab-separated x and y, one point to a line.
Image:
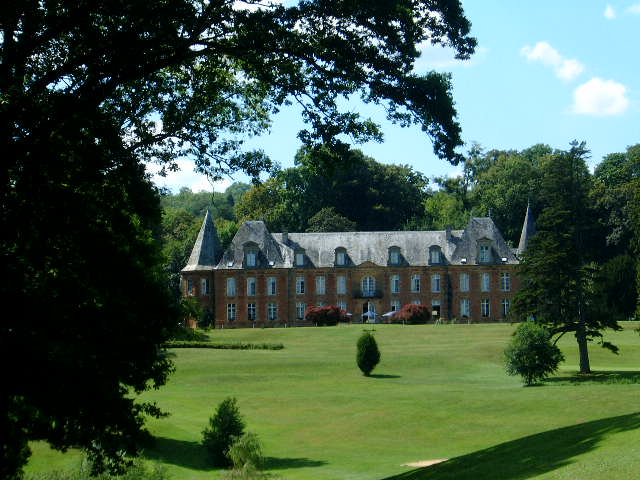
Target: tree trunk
581	337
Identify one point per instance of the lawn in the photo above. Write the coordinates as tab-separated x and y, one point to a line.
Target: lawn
439	392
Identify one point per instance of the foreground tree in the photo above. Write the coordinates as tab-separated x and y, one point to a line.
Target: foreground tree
531	354
367	355
556	269
224	427
79	217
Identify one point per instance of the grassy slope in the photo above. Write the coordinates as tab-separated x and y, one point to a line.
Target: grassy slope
439	392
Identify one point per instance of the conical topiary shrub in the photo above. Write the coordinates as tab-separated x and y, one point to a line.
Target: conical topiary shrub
368	355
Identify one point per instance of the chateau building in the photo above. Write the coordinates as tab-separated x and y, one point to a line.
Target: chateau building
266	278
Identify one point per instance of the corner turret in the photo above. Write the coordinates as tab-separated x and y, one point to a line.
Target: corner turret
528	230
206	250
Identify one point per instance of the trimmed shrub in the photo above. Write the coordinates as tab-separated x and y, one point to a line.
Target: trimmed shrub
413	314
246	450
224	425
224	346
531	353
328	315
368	355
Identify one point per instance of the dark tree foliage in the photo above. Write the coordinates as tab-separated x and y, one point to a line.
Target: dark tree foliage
531	354
328	220
327	315
413	314
90	90
557	270
367	355
225	425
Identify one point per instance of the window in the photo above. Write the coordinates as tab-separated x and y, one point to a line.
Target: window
435	308
231	287
272	311
395	283
506	306
301	308
435	283
251	286
342	285
465	308
321	285
485	309
272	286
485	282
394	256
231	312
416	302
299	259
252	258
395	306
251	312
204	286
485	254
464	282
342	305
299	285
191	289
435	255
368	286
505	282
341	257
415	283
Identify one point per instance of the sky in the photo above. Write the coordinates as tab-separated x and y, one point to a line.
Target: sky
545	71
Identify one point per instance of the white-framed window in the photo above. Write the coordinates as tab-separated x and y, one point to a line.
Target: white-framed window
342	305
272	286
435	255
191	288
394	256
231	287
299	285
465	307
368	286
485	282
321	285
204	286
300	259
505	282
506	307
485	253
252	258
395	305
301	308
395	283
231	312
272	311
341	286
415	283
341	257
485	307
435	283
251	312
251	287
464	282
417	302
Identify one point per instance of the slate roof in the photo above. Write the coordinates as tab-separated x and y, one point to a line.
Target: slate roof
528	230
278	250
206	250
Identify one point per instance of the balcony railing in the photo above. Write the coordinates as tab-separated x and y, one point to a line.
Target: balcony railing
368	294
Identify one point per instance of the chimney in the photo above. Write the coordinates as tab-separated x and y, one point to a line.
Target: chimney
447	233
285	238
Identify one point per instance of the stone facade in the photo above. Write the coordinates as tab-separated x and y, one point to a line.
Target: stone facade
266	279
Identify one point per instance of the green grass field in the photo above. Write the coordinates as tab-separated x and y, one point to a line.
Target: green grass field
439	392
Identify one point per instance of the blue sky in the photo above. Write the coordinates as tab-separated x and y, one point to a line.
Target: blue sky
548	71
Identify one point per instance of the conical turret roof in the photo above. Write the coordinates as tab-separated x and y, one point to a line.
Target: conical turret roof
528	229
205	251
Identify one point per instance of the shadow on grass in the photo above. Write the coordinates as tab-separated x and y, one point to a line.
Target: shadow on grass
526	457
383	375
606	377
192	455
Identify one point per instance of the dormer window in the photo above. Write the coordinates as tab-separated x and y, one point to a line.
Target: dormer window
300	258
484	251
341	257
252	258
435	255
394	256
250	255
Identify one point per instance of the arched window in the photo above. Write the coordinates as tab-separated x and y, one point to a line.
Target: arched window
250	255
341	257
394	256
435	255
484	251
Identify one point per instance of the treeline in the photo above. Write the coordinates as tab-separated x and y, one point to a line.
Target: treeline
363	194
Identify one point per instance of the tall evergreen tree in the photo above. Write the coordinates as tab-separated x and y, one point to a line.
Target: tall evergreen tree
556	269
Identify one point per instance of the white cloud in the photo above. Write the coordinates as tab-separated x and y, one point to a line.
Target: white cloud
634	9
600	98
609	12
564	68
186	177
438	57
